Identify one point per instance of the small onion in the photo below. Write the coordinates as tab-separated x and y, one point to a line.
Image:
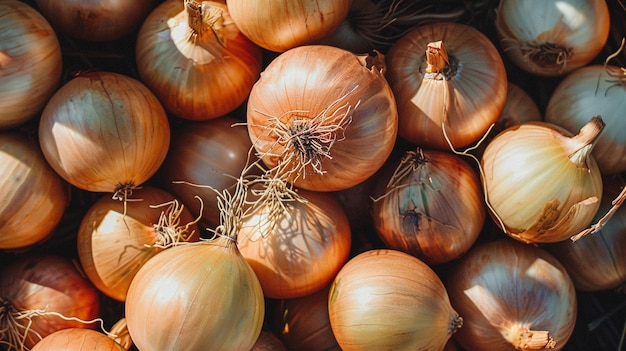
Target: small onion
33	198
31	62
104	132
512	296
195	59
552	37
77	339
389	300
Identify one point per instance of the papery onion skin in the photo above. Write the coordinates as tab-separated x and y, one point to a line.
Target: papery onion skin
33	198
198	296
104	131
389	300
299	85
195	79
503	285
467	102
282	25
31	62
77	339
590	91
552	38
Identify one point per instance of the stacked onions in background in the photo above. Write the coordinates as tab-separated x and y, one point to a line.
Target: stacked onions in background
347	175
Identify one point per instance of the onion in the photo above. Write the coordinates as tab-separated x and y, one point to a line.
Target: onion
429	204
77	339
389	300
554	37
104	132
114	239
31	61
41	294
33	198
281	25
512	296
590	91
449	82
195	59
323	117
95	20
542	184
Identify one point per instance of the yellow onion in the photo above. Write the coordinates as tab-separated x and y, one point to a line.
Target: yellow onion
30	62
323	117
284	24
195	59
512	296
541	182
450	84
389	300
552	37
104	132
78	339
33	198
115	239
430	204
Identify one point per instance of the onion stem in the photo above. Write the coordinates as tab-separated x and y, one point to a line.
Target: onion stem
168	228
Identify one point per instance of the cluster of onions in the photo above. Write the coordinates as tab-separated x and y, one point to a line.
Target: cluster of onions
78	339
31	61
430	204
114	239
41	294
512	296
553	37
322	117
104	132
385	299
33	198
195	59
449	82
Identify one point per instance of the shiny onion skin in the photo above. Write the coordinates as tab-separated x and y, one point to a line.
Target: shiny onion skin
299	250
77	339
281	25
430	204
465	96
33	198
553	37
323	117
31	62
195	59
95	20
104	132
389	300
512	296
115	239
51	290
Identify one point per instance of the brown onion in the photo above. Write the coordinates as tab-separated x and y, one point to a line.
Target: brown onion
78	339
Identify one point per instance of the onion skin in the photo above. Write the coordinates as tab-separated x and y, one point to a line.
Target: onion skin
77	339
31	61
504	288
33	198
104	132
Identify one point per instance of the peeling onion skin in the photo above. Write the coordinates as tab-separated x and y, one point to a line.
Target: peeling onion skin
77	339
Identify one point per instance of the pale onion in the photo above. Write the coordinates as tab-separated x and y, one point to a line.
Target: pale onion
115	239
389	300
104	132
590	91
323	117
541	182
95	20
512	296
267	341
598	262
295	240
206	154
33	198
284	24
430	204
195	59
552	37
40	294
450	85
31	62
77	339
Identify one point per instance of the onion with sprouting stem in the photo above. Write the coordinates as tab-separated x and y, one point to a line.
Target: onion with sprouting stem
323	117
